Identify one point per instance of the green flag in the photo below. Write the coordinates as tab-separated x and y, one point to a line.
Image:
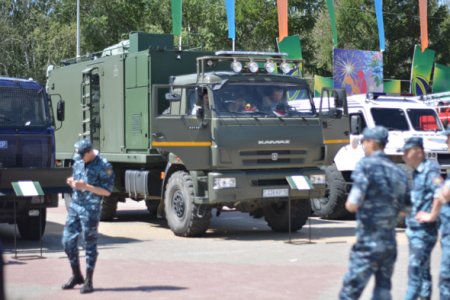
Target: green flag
333	22
441	78
392	86
292	46
421	70
321	82
176	17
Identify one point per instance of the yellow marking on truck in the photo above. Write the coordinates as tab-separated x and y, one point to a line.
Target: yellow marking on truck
342	141
181	144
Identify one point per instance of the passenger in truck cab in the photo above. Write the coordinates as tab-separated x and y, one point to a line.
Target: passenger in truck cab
202	101
276	97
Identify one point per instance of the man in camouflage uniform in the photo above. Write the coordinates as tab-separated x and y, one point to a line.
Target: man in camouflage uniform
422	236
379	193
441	208
92	179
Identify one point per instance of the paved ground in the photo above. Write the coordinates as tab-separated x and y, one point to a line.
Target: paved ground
239	258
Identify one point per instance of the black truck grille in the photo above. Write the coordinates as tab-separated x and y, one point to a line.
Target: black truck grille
272	157
25	151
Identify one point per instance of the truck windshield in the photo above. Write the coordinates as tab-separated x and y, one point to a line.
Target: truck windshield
263	99
424	119
391	118
23	107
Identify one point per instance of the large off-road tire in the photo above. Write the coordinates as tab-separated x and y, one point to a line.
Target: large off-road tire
152	207
332	206
185	218
276	215
29	225
109	209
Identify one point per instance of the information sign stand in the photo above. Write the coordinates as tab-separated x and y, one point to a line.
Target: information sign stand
301	183
26	189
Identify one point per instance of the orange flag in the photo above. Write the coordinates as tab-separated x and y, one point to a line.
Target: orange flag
423	24
282	19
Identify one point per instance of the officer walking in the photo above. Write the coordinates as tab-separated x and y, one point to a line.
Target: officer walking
441	205
379	192
92	179
422	236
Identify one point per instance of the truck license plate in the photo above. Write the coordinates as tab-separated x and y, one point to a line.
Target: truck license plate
273	193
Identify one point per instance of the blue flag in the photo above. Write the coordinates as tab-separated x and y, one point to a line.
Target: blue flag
379	12
230	17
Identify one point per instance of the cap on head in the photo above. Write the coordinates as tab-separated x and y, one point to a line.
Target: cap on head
413	142
377	133
82	147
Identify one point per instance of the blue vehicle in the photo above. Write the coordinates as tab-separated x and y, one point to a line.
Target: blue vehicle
27	153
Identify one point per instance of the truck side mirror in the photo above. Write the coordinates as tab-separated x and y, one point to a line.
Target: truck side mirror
60	110
355	124
172	97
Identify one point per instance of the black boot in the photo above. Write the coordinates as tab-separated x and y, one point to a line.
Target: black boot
88	287
77	278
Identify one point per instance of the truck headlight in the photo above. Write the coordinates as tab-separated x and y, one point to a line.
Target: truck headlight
317	179
224	183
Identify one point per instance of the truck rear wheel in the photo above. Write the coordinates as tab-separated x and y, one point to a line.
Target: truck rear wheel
29	225
185	218
333	206
109	208
276	215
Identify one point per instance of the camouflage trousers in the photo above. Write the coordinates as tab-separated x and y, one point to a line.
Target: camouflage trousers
421	242
82	219
444	276
369	258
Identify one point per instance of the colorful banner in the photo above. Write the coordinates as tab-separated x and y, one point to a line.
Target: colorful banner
423	24
393	86
229	4
282	6
333	22
321	82
176	17
421	71
441	78
358	71
379	13
292	46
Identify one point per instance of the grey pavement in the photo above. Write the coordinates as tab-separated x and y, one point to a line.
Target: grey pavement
238	258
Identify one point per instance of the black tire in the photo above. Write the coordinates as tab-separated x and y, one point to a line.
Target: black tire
29	226
109	209
152	207
332	206
185	218
276	215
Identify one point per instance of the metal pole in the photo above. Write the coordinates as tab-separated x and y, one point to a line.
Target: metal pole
78	28
234	45
289	216
179	43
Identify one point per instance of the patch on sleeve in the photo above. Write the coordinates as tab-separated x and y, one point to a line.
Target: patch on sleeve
109	171
438	180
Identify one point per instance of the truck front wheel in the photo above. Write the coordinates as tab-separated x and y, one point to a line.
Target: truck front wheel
32	227
185	218
276	215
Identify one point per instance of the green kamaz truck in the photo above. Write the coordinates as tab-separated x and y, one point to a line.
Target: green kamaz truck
189	132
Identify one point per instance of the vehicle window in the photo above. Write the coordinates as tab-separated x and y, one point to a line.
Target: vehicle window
363	120
391	118
424	119
22	107
270	100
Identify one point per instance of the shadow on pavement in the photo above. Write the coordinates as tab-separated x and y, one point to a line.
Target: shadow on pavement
148	289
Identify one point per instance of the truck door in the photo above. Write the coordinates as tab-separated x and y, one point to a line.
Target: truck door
90	103
178	129
333	113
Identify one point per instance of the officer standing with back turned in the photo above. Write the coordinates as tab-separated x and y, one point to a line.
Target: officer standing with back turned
379	193
92	179
422	237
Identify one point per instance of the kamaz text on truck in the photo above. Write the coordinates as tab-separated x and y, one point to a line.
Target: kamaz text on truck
209	137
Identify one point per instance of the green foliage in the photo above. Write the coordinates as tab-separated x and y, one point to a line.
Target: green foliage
35	33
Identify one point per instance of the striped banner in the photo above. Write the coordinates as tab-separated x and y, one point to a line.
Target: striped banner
379	13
